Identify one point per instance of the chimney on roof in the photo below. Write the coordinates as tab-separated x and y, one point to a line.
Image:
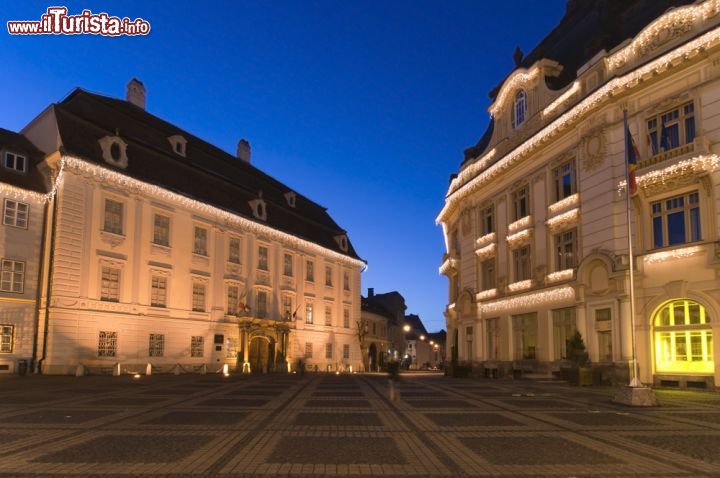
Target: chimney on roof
371	292
135	93
243	150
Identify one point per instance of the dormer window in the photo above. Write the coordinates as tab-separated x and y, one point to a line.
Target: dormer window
114	151
16	162
342	242
519	109
290	197
259	208
178	144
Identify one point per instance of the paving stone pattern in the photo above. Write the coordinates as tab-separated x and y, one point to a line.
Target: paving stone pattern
328	425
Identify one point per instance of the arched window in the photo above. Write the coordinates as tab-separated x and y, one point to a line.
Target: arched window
683	338
519	108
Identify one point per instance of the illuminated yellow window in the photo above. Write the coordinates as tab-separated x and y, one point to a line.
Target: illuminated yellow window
683	338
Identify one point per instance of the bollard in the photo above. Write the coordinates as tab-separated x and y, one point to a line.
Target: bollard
148	369
80	370
117	370
203	369
177	369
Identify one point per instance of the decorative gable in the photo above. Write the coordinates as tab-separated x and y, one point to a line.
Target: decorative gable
114	151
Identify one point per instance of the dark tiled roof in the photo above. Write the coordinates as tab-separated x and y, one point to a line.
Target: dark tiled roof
206	173
389	304
32	180
415	324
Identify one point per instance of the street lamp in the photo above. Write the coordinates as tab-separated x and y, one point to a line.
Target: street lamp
422	337
406	328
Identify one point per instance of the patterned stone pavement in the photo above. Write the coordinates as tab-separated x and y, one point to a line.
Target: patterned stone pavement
330	425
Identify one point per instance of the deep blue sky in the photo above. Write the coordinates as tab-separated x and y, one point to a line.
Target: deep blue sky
363	106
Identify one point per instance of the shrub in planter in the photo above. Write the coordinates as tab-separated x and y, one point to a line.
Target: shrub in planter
579	373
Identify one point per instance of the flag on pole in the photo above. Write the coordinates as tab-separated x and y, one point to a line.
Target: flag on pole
633	155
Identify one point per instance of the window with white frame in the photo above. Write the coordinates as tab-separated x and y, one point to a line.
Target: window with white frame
563	330
262	258
16	162
328	315
197	346
308	350
519	109
346	318
113	221
287	307
521	262
521	202
198	297
683	338
287	265
15	214
200	241
308	312
7	332
487	274
232	346
310	271
676	220
604	336
161	230
234	250
158	292
328	351
261	305
564	180
346	280
156	346
107	343
13	276
328	276
346	351
487	220
110	284
493	338
525	336
671	129
233	300
566	250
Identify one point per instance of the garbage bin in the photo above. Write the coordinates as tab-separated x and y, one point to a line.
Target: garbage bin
22	367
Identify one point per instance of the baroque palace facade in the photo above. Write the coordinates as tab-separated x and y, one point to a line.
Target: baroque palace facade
535	219
153	250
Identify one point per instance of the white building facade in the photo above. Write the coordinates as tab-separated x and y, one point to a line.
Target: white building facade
535	220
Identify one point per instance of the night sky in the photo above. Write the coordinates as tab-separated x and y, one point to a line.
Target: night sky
363	106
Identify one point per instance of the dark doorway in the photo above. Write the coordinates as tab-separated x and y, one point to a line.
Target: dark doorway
260	354
372	357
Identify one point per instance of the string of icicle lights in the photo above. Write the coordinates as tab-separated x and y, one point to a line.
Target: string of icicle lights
528	300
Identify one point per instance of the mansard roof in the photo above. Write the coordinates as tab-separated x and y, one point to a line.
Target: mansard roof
32	179
205	173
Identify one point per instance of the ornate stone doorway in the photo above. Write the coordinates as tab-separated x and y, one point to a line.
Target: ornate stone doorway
261	354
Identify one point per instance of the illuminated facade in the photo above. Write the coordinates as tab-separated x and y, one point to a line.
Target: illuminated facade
166	253
535	222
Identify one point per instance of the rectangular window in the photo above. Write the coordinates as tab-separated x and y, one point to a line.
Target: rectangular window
487	274
346	318
310	271
308	312
469	343
110	284
198	297
6	338
15	214
16	162
602	315
525	336
156	347
521	261
107	344
346	281
161	230
487	220
200	241
13	276
563	330
308	350
233	300
262	305
564	180
676	220
113	217
346	351
287	307
328	315
197	346
262	258
288	265
455	242
566	250
493	338
158	293
328	351
232	346
671	129
234	250
328	276
604	346
521	203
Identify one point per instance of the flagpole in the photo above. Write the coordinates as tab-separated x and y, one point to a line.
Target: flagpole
635	382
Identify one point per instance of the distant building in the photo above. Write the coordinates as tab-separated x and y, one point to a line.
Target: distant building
388	311
437	340
535	219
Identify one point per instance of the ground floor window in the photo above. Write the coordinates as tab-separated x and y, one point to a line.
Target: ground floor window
346	351
563	330
604	346
525	336
156	347
197	346
493	338
232	345
683	338
107	344
469	343
6	338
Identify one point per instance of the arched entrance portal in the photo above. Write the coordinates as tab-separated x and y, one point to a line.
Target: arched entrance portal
261	354
372	357
682	338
